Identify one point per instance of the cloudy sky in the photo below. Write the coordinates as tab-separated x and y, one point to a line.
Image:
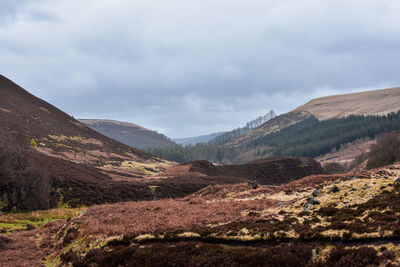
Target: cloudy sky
191	67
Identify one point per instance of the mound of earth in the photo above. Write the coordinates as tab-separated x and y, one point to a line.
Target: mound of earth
304	223
269	171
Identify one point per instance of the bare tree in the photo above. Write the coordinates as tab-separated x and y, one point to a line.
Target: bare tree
22	152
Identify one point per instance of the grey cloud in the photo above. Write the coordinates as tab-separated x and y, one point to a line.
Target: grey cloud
9	8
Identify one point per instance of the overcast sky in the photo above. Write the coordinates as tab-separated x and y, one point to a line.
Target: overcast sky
192	67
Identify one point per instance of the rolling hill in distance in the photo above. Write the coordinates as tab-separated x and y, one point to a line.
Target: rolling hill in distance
185	141
129	133
374	102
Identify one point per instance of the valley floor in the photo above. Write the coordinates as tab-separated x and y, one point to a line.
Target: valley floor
350	219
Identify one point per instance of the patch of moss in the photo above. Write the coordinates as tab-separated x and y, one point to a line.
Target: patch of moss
78	245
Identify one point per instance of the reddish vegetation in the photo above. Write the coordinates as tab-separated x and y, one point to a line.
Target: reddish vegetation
21	250
147	217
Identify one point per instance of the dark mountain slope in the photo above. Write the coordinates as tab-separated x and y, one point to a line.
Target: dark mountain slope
47	158
31	117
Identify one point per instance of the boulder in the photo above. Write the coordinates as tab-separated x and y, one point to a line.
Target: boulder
316	193
307	207
334	189
313	201
314	255
253	184
29	227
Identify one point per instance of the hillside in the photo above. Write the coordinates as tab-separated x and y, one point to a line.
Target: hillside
275	124
23	114
225	137
128	133
237	133
376	102
48	158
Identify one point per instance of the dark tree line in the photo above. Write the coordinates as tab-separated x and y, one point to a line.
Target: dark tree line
313	138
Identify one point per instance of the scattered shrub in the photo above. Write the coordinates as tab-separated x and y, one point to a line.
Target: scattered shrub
33	143
334	167
385	152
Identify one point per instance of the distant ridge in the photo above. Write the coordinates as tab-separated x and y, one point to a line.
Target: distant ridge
375	102
196	139
129	133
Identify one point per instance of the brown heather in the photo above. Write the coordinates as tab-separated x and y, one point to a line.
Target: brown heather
165	215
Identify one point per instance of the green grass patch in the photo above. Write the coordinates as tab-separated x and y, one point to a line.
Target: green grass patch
11	222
